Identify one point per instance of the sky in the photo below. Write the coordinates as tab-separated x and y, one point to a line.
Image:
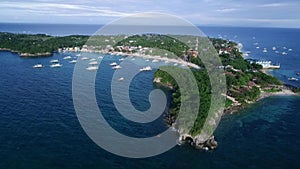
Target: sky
250	13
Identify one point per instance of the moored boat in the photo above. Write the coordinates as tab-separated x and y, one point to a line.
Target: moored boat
92	68
54	61
113	64
38	66
73	61
116	67
147	68
67	57
293	79
56	65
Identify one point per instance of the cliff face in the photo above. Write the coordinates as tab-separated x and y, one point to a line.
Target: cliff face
197	141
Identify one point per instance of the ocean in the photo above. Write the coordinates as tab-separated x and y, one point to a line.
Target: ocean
40	129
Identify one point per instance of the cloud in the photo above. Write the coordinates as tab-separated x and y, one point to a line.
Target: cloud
227	10
60	9
274	5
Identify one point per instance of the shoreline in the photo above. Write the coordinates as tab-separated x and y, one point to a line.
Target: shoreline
43	54
154	57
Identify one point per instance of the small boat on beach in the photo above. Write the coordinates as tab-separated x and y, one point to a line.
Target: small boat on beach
56	65
38	66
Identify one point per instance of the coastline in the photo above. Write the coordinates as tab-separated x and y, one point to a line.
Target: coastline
45	54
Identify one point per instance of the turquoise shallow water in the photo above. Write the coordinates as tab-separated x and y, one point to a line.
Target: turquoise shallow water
39	127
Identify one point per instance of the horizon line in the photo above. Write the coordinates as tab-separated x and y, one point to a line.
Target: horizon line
103	24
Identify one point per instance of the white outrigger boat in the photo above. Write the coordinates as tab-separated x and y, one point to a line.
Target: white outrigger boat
38	66
92	68
147	68
57	65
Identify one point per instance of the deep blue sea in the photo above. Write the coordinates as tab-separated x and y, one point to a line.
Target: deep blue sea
39	127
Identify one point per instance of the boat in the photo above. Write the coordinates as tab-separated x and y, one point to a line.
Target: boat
92	68
38	66
298	74
293	79
276	51
267	65
290	50
100	57
265	50
121	79
155	61
147	68
284	53
84	58
67	57
78	55
113	64
273	48
175	64
73	61
121	59
117	67
56	65
147	60
257	47
92	60
54	61
245	54
93	63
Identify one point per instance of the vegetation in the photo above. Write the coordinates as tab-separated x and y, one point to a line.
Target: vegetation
154	41
39	43
296	89
204	87
243	78
273	90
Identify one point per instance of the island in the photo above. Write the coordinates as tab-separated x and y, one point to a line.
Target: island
247	82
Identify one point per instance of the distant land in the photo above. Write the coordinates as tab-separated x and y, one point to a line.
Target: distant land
246	82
